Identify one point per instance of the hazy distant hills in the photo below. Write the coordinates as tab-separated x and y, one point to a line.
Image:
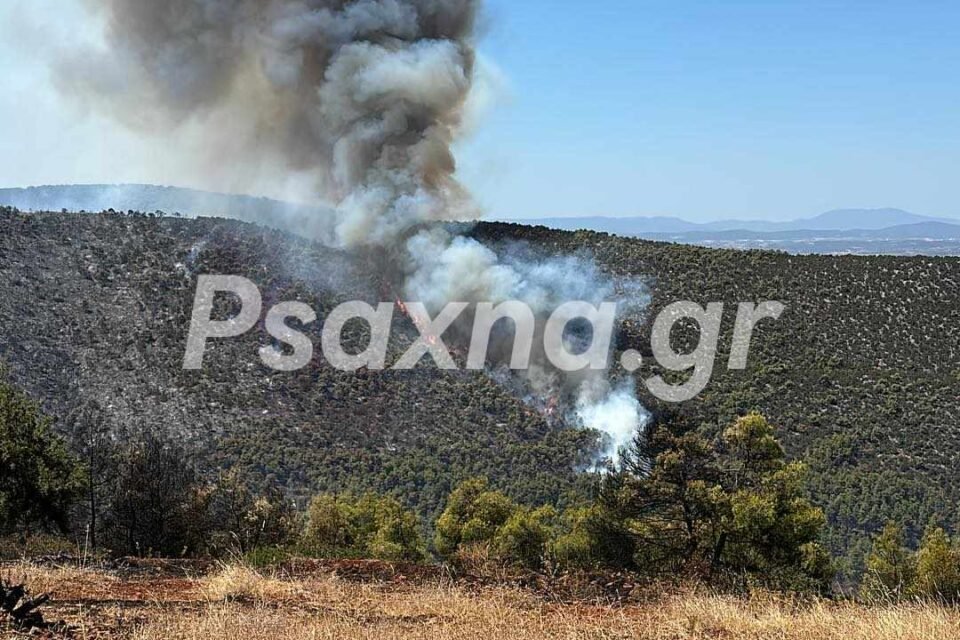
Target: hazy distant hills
857	231
918	230
843	231
149	198
863	219
837	220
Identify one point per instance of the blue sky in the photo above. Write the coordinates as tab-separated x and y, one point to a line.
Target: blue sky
704	110
772	109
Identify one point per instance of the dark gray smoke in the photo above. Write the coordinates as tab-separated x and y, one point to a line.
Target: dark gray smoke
364	96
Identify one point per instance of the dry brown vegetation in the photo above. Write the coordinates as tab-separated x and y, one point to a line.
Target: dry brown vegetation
234	602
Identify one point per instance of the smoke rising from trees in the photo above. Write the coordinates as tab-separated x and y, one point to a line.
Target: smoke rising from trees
365	97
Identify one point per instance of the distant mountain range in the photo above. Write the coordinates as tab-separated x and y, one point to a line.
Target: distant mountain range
838	220
857	231
937	230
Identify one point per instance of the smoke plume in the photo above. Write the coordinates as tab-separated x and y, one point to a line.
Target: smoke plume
365	97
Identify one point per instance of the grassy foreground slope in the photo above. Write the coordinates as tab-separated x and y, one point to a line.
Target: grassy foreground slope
862	373
239	603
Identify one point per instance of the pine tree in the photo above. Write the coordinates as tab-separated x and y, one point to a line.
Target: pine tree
937	574
39	479
721	509
890	567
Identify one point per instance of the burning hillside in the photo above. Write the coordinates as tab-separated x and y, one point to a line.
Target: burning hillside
96	309
365	99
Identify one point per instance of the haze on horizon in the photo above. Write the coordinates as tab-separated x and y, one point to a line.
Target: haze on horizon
699	110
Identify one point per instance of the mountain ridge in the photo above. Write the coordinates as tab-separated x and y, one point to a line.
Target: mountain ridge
193	202
834	220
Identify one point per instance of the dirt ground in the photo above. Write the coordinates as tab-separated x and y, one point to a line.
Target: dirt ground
167	600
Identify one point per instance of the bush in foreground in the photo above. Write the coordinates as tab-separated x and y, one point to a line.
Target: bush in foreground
370	526
39	479
894	572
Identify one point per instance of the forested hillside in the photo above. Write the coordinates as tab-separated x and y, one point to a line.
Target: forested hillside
861	374
96	309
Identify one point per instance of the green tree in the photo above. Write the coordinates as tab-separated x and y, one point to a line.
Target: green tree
385	530
720	509
329	529
39	479
752	450
890	566
937	567
473	515
370	526
671	508
397	535
523	539
591	536
772	532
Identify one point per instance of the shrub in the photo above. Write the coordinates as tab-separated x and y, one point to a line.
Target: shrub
39	479
890	567
261	557
576	544
523	539
367	527
937	571
473	515
329	529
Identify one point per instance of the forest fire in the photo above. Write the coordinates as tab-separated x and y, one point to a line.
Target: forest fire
370	122
552	405
431	338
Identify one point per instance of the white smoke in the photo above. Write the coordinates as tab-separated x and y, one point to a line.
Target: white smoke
443	268
614	412
365	98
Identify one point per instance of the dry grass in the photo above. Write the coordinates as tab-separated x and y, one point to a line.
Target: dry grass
60	582
240	604
242	584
